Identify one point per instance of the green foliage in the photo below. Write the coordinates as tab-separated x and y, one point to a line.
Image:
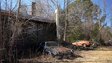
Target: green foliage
95	32
103	18
84	22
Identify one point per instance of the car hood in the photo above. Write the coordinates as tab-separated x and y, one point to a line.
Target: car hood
61	49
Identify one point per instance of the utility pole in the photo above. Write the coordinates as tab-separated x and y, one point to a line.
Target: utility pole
57	24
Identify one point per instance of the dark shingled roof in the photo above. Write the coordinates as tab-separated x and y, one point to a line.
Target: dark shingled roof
38	19
34	18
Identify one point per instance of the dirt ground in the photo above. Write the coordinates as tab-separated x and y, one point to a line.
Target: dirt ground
100	55
95	57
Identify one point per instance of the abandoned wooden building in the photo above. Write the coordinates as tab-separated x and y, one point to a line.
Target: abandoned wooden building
23	34
27	30
38	29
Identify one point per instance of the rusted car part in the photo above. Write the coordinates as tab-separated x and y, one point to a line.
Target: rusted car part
83	43
56	50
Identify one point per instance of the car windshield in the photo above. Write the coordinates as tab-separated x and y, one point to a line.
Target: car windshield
51	44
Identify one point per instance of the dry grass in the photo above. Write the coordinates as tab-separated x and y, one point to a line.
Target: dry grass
92	56
95	57
40	59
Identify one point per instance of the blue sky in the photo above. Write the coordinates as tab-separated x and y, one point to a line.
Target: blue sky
98	2
108	8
